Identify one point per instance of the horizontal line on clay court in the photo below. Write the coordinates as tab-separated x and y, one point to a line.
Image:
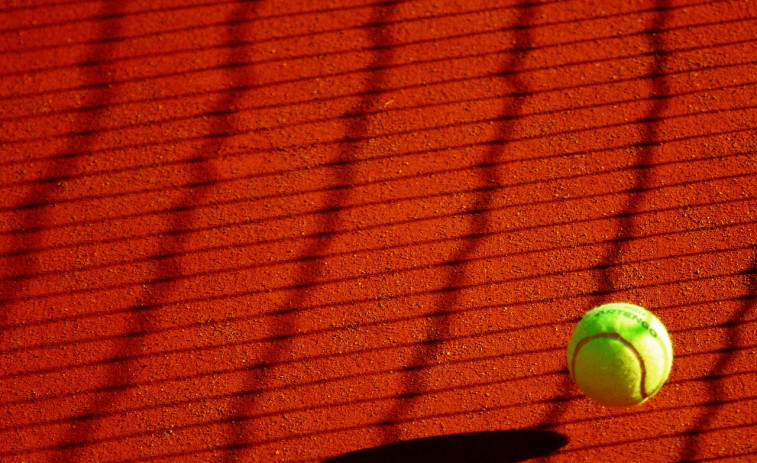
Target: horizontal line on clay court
352	141
190	6
227	113
260	18
228	395
298	237
231	133
136	335
384	398
329	355
226	24
228	420
338	117
636	412
662	436
693	329
321	283
238	319
356	251
722	350
259	416
288	14
243	88
470	286
59	226
386	371
257	42
254	244
114	17
214	183
45	6
320	332
381	424
342	141
521	404
74	154
261	291
358	402
231	395
739	456
448	414
594	40
321	55
641	120
16	8
551	200
179	162
164	353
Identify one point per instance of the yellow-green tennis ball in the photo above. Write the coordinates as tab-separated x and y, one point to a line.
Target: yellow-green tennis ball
620	354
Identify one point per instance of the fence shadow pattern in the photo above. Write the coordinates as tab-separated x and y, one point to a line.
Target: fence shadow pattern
240	231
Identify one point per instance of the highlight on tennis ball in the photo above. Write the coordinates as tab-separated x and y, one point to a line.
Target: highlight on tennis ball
620	354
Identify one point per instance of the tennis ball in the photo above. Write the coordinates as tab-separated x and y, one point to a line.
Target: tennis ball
620	354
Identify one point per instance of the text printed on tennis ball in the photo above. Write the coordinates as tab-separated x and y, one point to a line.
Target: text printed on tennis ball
630	315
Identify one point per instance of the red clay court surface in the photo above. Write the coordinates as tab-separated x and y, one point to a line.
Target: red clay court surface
291	230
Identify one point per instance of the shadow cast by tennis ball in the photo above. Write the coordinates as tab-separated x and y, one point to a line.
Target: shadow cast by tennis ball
484	447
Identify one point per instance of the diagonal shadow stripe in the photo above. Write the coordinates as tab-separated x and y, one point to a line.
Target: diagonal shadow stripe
30	217
717	392
650	141
120	375
428	349
286	318
62	167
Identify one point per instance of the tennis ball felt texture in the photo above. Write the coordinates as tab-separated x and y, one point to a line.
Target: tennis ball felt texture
620	354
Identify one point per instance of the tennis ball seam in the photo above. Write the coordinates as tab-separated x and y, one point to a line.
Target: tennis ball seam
626	343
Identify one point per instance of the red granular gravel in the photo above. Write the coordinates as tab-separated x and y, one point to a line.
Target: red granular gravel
286	231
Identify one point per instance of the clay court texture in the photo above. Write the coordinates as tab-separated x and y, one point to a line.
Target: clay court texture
363	230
